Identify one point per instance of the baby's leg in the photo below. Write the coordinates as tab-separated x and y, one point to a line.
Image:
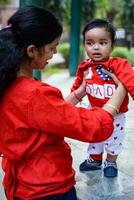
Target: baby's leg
95	150
113	146
94	160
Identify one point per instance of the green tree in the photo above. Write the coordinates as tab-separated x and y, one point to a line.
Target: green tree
127	20
119	12
4	2
127	17
88	11
61	8
110	9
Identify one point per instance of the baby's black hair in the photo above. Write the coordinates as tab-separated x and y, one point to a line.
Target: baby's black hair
100	23
30	25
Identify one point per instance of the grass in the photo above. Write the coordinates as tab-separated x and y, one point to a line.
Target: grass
53	69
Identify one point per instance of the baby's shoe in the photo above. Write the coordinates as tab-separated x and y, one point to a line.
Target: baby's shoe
110	169
90	164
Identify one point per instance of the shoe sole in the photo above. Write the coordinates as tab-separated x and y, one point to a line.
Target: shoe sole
110	176
93	169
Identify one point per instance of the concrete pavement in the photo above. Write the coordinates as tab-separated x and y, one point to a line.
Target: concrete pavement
93	185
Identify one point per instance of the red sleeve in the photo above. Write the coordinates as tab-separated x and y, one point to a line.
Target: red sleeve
79	75
78	79
123	69
49	112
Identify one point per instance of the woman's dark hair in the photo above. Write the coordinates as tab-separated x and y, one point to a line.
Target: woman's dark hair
29	25
100	23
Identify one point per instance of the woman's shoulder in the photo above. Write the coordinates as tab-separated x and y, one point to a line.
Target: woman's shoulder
35	84
26	88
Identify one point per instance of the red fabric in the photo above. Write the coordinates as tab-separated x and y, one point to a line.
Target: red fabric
96	156
35	120
121	67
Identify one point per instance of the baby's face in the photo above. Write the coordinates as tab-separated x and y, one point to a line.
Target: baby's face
98	44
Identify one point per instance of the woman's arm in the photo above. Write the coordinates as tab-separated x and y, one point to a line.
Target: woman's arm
77	95
112	106
115	102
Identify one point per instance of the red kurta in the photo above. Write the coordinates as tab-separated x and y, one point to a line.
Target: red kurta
34	121
99	90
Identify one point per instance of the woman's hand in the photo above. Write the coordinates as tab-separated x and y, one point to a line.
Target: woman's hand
112	75
77	95
113	104
82	89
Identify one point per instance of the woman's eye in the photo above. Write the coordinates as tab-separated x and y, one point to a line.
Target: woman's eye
53	49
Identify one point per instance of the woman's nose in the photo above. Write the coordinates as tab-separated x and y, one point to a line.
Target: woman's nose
55	51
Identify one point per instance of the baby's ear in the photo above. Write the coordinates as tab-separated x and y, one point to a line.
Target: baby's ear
31	51
113	46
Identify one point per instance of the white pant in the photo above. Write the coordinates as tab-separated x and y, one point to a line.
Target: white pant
113	145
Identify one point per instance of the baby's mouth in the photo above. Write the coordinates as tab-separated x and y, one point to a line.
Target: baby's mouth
96	54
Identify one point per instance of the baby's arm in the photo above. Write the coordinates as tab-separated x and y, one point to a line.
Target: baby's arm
83	66
78	79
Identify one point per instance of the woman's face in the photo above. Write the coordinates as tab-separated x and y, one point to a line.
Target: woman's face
43	55
98	44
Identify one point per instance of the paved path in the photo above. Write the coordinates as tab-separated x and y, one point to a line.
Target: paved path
93	185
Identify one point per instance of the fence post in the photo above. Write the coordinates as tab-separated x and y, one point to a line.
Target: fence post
75	36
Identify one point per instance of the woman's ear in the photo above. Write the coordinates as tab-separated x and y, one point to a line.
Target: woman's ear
31	51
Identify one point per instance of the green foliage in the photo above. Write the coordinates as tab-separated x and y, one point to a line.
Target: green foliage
52	69
61	9
2	2
131	57
120	12
64	49
88	11
102	7
127	16
123	53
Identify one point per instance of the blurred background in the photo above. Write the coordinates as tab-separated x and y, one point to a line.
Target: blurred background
74	14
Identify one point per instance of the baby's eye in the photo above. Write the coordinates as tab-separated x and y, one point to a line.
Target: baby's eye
103	43
89	43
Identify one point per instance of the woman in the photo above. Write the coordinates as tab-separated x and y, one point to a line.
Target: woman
36	160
